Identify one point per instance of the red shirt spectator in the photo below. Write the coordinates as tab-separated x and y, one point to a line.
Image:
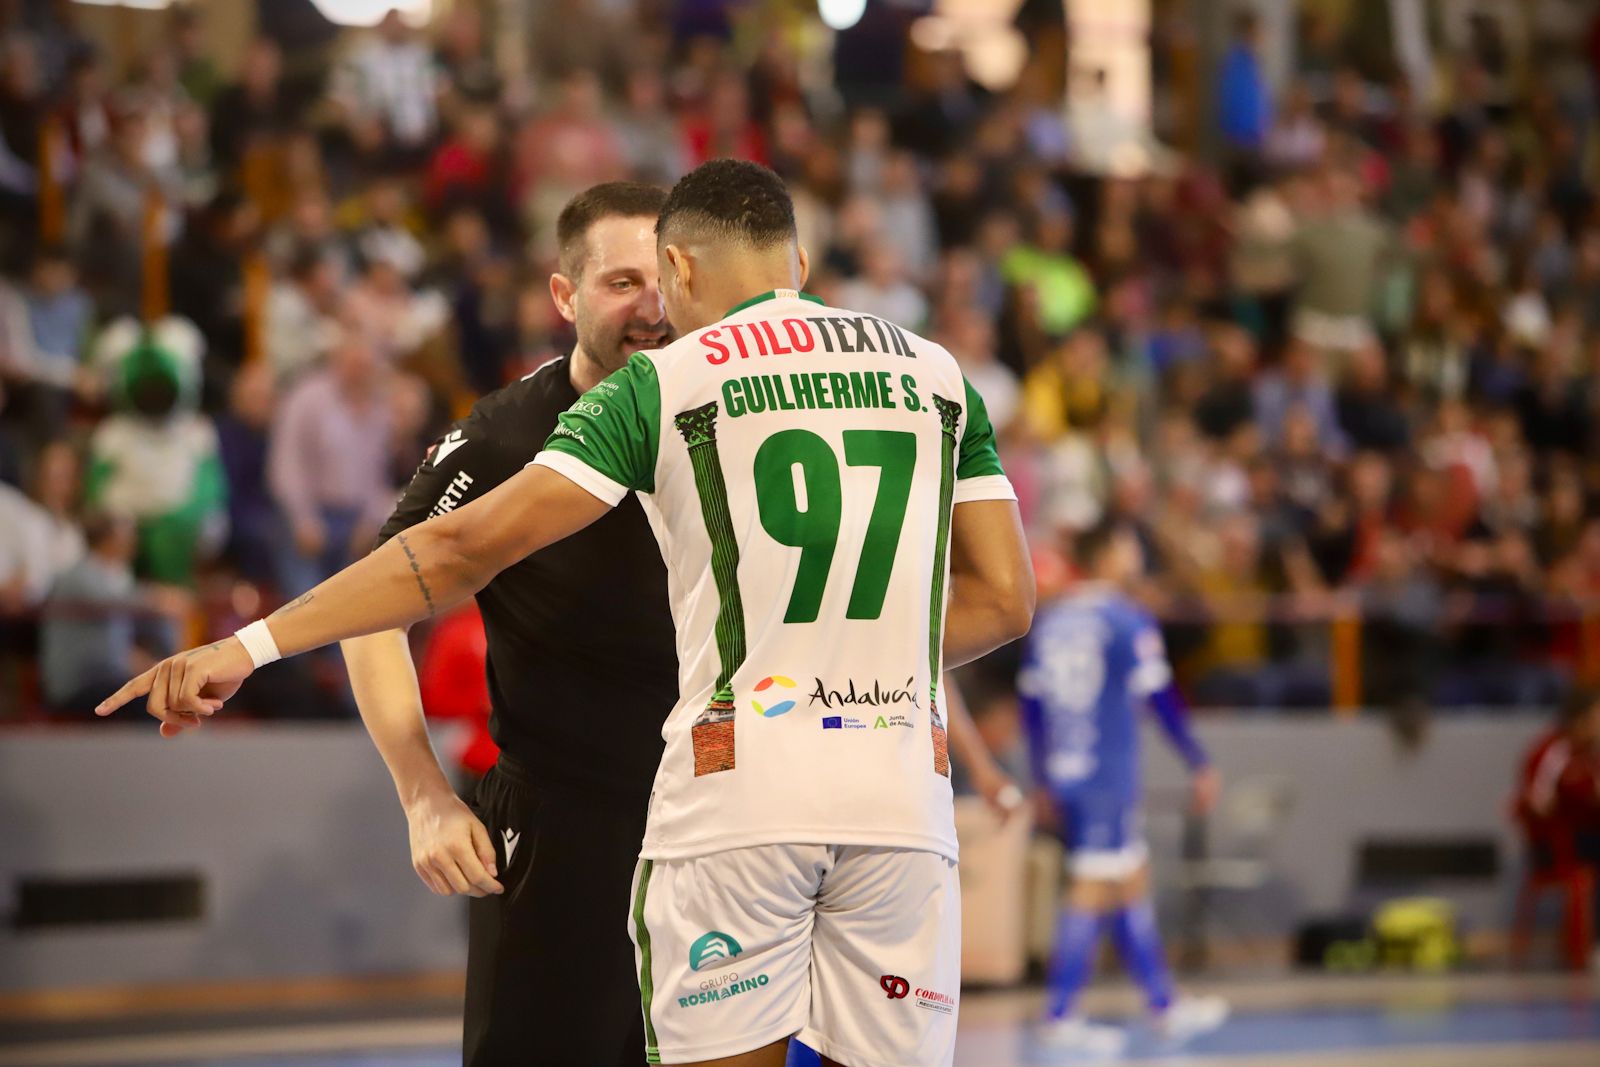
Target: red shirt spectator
464	167
454	685
1558	790
724	128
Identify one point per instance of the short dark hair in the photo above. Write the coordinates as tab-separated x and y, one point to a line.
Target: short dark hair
730	200
1090	544
609	200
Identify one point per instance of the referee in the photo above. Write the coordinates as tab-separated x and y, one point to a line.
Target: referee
549	846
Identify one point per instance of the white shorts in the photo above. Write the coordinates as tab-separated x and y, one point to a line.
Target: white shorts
855	949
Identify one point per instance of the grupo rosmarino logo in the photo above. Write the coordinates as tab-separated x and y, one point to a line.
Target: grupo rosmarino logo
712	947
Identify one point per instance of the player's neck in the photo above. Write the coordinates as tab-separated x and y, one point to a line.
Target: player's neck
748	277
584	371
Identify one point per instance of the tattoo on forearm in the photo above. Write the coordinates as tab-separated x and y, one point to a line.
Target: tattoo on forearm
416	569
209	648
298	602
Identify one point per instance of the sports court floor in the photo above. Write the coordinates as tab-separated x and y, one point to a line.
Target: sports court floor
1466	1021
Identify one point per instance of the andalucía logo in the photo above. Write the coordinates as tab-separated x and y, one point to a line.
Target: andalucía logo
879	695
781	706
712	947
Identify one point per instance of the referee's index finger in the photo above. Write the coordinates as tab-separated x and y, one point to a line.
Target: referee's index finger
138	687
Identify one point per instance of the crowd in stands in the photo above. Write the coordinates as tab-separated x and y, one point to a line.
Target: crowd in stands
1342	365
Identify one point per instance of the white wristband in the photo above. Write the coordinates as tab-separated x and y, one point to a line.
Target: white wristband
257	640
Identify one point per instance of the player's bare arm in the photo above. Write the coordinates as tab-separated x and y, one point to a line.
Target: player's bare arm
429	568
989	779
991	580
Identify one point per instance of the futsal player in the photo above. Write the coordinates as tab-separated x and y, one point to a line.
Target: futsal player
1093	658
836	526
549	846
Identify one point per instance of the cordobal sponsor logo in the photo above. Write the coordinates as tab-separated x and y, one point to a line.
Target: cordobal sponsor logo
894	986
929	1000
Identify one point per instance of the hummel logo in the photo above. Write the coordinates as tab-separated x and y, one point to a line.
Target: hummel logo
511	838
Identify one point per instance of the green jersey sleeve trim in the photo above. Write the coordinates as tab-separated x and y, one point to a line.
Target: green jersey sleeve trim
615	428
977	457
988	487
581	474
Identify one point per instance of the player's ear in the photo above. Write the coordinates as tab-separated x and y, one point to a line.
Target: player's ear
682	265
805	264
562	289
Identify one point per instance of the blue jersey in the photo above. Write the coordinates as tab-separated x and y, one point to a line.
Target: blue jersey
1092	658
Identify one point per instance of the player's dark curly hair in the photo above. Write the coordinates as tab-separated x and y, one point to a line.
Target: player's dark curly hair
605	201
729	200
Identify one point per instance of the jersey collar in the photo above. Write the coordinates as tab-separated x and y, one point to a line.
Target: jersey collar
775	294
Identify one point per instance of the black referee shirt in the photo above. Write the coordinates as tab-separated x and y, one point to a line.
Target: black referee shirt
583	664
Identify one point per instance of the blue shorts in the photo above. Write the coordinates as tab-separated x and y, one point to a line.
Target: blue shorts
1103	833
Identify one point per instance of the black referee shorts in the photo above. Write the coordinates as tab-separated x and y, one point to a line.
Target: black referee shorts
551	980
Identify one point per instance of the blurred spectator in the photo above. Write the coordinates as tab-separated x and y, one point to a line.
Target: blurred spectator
939	114
394	317
1297	139
384	227
1229	403
250	113
572	138
1061	291
328	462
1402	606
1299	383
1232	663
44	329
387	90
1068	390
969	336
99	625
301	314
154	459
207	270
1244	101
255	527
453	684
1369	411
107	225
1338	252
196	70
884	288
83	112
22	110
723	126
652	146
468	167
463	58
39	536
907	217
1557	802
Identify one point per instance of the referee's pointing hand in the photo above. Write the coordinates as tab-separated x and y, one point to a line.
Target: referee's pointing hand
188	687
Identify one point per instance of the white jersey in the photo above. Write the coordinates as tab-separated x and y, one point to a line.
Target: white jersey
798	464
